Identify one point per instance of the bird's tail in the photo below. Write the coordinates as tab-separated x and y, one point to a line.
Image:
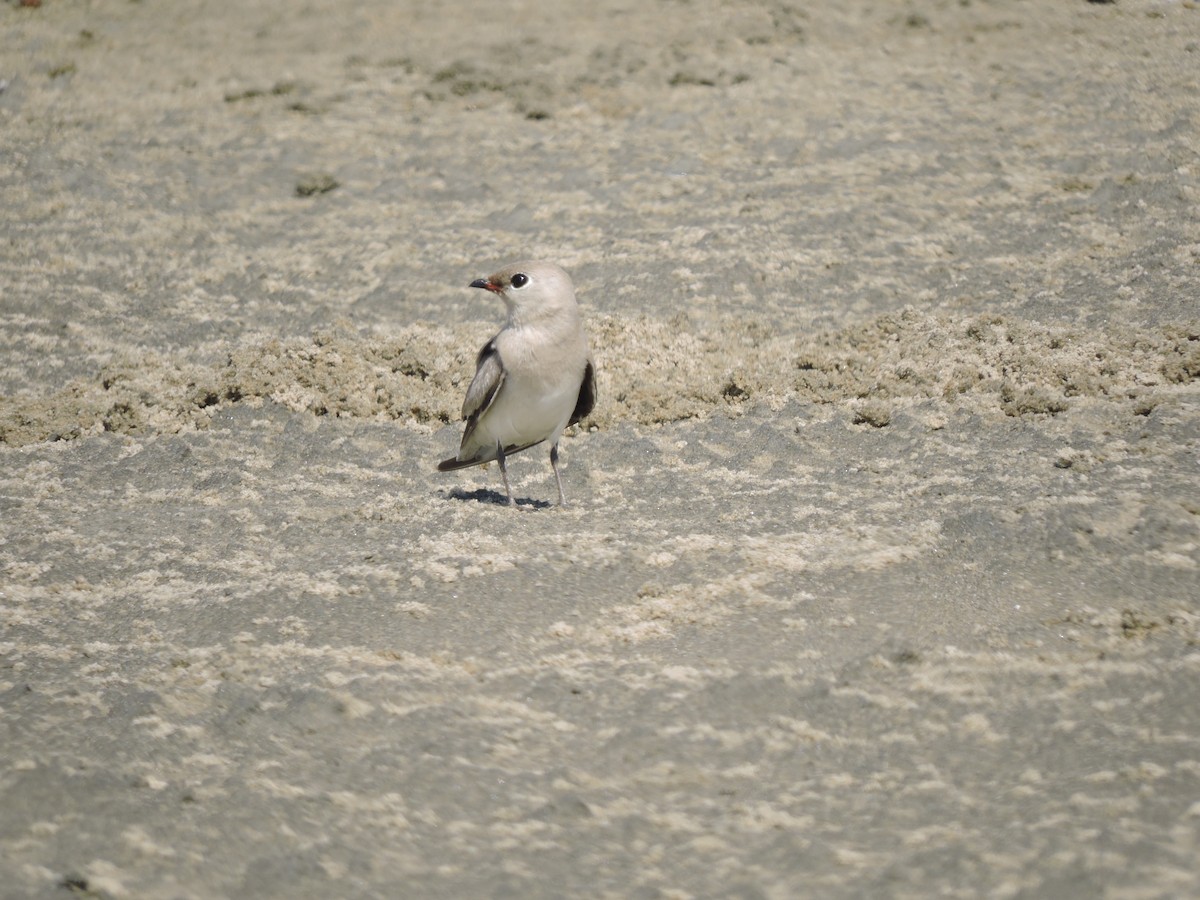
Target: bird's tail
449	465
485	455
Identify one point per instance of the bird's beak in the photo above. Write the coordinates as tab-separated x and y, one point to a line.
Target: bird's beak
486	285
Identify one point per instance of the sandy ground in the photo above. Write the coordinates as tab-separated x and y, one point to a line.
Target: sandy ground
881	570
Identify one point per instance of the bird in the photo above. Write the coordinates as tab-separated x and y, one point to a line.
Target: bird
534	378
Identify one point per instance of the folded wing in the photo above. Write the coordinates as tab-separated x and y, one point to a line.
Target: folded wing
587	395
485	386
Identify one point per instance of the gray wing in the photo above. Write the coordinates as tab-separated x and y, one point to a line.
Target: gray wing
587	395
489	378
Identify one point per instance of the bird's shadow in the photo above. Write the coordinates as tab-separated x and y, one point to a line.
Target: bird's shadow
495	498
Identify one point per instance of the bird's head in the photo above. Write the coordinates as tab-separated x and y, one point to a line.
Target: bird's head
531	290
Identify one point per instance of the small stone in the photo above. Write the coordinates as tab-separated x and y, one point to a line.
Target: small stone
321	183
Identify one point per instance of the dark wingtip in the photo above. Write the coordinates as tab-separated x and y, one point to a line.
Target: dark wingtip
453	463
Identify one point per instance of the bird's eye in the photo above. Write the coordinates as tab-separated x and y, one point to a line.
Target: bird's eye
520	280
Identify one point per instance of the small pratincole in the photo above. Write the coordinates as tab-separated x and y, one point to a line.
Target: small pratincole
534	378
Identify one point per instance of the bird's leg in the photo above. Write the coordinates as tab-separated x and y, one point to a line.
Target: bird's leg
504	473
562	500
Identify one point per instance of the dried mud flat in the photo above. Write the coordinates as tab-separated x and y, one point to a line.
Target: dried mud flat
881	569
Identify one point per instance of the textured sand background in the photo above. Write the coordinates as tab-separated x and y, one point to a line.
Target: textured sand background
881	572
